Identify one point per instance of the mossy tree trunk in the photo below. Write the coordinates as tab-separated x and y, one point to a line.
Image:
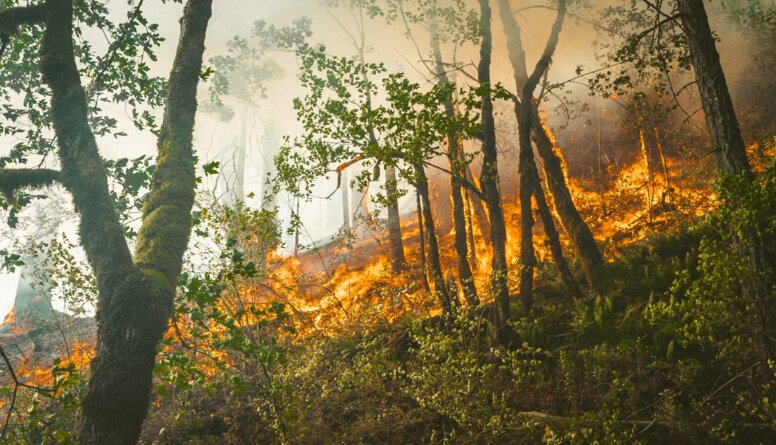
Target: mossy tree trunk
135	297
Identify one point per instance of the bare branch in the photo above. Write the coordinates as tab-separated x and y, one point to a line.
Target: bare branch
544	62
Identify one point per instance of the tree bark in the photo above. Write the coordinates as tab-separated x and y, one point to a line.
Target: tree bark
470	231
582	239
730	155
465	276
528	175
721	120
422	243
553	239
478	209
135	297
432	243
489	178
394	222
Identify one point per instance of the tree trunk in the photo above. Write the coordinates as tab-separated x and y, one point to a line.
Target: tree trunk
432	244
730	154
582	238
134	298
479	210
590	258
489	178
528	178
394	222
470	231
465	276
553	239
422	243
526	111
726	140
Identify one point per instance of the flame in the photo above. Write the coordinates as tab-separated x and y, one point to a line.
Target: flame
345	287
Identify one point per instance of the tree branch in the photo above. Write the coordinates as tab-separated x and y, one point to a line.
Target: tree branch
549	50
167	213
12	18
14	179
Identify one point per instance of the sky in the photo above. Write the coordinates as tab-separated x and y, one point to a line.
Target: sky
273	117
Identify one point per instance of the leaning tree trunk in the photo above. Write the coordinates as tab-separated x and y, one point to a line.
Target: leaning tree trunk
585	246
730	155
394	222
477	208
432	243
465	276
553	239
528	174
721	120
489	178
135	298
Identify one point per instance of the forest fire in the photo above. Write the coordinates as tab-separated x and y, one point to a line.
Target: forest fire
332	286
388	221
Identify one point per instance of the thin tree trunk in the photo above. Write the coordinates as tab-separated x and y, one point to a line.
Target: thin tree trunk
528	177
489	179
470	231
394	222
526	112
582	238
296	229
465	276
553	239
650	184
432	243
663	161
344	185
422	241
479	210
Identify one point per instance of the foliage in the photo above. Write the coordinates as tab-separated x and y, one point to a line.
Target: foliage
120	74
358	112
244	70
